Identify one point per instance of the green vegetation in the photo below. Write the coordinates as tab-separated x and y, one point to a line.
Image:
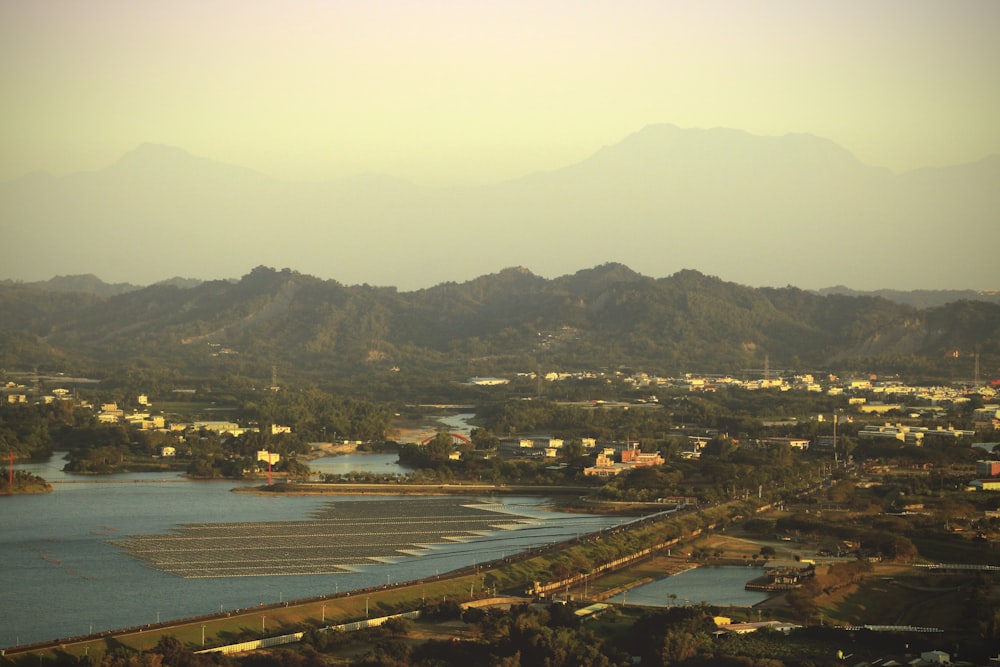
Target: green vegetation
346	361
23	482
26	429
377	342
30	431
550	635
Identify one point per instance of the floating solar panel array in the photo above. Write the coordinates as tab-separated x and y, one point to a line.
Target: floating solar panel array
337	538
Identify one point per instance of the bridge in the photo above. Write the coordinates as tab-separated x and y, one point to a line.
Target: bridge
456	436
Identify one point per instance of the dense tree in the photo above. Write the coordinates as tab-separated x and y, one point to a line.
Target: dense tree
25	430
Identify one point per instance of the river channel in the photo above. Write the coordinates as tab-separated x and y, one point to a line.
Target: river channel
65	572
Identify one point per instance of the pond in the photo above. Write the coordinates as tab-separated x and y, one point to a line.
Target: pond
364	463
721	586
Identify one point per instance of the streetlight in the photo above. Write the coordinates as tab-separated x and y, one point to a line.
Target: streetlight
262	624
366	607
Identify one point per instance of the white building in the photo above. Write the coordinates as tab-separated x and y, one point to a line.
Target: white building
268	457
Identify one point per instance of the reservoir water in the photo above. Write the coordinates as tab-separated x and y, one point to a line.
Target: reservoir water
63	574
721	586
366	463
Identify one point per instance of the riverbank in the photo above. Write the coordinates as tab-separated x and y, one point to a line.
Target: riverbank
23	483
319	450
402	489
25	489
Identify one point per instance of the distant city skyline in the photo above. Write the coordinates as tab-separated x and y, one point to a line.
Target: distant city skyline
462	92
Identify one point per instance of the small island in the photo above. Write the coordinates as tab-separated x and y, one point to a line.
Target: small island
23	482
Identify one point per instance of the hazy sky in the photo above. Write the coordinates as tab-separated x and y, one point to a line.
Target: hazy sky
459	91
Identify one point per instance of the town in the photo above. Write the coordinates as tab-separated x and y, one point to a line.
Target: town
640	444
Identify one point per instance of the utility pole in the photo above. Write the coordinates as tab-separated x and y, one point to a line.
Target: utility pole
835	438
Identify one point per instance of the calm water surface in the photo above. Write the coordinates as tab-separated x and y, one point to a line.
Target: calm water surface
63	575
348	463
721	586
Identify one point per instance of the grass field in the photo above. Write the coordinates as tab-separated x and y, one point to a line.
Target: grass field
190	410
249	624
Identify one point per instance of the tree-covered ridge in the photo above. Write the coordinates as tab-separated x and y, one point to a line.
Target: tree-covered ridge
502	323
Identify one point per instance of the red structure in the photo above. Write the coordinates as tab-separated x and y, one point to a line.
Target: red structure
457	436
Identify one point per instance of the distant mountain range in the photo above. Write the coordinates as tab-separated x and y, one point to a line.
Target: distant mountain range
919	298
756	210
91	284
502	323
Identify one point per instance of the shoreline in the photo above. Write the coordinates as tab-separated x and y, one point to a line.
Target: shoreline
357	488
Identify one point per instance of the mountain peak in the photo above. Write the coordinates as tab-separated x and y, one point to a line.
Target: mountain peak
667	152
611	271
516	270
148	152
600	278
152	159
509	276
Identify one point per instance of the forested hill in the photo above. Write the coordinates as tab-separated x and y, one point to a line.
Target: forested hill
604	317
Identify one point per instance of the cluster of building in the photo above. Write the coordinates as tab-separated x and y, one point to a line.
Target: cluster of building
536	447
612	461
142	418
611	458
614	458
910	435
988	477
17	394
891	393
